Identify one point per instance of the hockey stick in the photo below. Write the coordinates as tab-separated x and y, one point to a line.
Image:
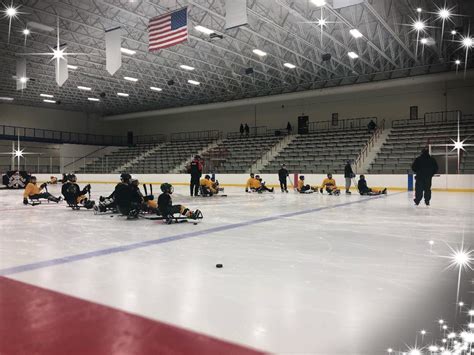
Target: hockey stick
291	183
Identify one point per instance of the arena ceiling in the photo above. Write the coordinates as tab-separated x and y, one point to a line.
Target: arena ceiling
286	30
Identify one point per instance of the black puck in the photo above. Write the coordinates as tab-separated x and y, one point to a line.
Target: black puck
219	266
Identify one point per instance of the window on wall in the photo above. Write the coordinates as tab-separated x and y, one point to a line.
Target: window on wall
335	119
414	112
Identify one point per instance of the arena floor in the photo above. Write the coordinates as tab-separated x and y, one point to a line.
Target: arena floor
302	273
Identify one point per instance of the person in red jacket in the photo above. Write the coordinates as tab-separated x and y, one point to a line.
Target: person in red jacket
195	169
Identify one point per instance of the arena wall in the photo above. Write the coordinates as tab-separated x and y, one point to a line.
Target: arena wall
451	183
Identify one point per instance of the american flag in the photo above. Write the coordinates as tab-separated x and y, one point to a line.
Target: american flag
168	30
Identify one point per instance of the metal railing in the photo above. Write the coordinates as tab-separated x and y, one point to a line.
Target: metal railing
150	139
258	131
369	145
194	136
341	125
431	118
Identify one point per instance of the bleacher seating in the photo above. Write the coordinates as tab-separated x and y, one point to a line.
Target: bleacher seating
237	155
110	162
320	152
168	156
405	143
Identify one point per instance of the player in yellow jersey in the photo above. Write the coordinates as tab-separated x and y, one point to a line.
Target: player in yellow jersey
329	184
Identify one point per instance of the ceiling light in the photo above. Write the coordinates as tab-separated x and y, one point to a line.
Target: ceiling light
85	88
93	99
11	11
419	25
457	62
424	41
468	42
259	52
322	22
186	67
23	80
47	95
444	14
453	32
154	88
49	101
289	65
6	98
419	10
355	33
319	2
130	79
203	30
26	32
353	55
122	94
39	26
194	82
73	67
127	51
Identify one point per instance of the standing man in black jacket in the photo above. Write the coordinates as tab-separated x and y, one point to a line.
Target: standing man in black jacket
195	170
282	176
348	175
425	167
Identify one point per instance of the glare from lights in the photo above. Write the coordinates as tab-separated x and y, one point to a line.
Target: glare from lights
390	350
444	13
122	94
467	42
423	332
461	258
73	67
451	335
353	55
457	62
204	30
47	95
441	321
419	10
471	312
322	22
259	52
289	65
154	88
431	242
49	101
445	327
186	67
433	348
85	88
11	11
356	33
127	51
424	41
194	82
419	25
93	99
23	80
453	32
3	98
319	3
470	325
130	79
414	352
26	32
461	304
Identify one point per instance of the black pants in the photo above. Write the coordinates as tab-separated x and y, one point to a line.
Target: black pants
194	187
423	188
45	195
283	185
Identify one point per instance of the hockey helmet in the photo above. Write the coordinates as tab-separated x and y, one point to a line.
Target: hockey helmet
167	188
330	176
302	177
207	177
72	178
125	177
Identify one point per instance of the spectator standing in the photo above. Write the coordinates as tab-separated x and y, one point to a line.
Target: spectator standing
195	170
348	175
247	130
371	126
241	130
282	176
289	128
425	167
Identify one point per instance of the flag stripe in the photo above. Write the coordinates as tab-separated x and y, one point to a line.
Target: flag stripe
167	30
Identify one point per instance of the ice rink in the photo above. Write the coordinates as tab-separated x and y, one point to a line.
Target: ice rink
302	273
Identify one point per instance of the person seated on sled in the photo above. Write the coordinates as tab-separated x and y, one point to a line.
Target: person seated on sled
166	207
262	187
207	186
73	194
303	188
216	185
33	191
329	184
141	202
109	202
252	184
364	190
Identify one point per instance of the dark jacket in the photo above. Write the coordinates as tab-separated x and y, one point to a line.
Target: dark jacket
362	187
282	174
425	165
196	169
348	173
164	204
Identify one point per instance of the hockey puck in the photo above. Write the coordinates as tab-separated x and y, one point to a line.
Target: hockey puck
219	266
195	223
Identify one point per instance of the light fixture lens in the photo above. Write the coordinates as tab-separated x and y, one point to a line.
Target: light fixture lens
322	22
424	41
259	52
130	79
49	101
85	88
204	29
355	33
73	67
93	99
154	88
47	95
23	80
353	55
458	62
453	32
122	94
186	67
127	51
289	65
419	10
194	82
319	3
444	14
11	11
26	32
3	98
419	25
468	42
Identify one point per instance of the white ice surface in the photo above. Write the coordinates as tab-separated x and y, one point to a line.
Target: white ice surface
352	279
